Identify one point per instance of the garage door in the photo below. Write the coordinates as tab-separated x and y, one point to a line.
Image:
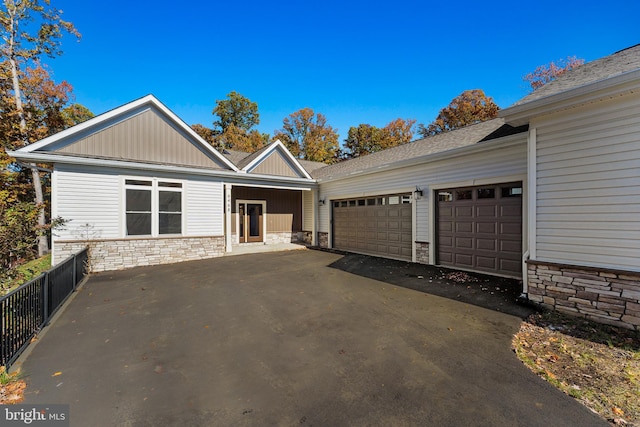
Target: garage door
480	228
380	226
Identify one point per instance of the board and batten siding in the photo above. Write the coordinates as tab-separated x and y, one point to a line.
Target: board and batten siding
588	185
504	161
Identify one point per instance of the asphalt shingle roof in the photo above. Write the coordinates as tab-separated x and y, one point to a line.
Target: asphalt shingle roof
620	62
465	136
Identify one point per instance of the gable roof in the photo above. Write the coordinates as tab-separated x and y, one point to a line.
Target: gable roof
116	135
619	71
466	136
284	164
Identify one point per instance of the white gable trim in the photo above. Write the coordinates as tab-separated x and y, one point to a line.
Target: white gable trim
132	106
610	87
276	145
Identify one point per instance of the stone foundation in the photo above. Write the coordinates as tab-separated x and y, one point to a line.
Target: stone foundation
118	254
601	295
282	237
323	239
422	252
307	237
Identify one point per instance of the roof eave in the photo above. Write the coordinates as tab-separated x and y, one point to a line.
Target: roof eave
50	158
518	115
506	141
146	100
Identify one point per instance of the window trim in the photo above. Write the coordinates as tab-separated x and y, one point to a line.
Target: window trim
175	185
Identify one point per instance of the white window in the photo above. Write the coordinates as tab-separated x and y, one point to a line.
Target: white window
152	207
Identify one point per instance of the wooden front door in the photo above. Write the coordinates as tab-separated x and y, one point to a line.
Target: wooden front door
250	218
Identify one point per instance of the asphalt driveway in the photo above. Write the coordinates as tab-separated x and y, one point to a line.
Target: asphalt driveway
284	339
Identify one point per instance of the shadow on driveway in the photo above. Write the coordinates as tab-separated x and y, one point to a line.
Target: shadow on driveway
284	339
491	292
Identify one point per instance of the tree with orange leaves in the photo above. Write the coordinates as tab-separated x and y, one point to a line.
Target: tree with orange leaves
470	107
29	30
549	72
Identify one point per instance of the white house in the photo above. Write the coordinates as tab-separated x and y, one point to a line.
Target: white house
549	193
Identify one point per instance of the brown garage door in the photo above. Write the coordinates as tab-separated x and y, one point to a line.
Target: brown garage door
480	228
380	226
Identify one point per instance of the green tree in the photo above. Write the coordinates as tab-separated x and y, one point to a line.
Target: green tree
30	29
308	136
366	139
549	72
470	107
75	114
362	140
235	110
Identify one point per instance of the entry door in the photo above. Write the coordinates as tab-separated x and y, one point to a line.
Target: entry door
250	222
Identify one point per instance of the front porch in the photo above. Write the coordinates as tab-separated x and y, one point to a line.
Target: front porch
265	219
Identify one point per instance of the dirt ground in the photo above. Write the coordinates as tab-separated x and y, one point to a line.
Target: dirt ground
596	364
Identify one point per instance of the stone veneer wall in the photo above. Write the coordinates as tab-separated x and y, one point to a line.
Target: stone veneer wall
307	237
601	295
282	237
118	254
323	239
422	252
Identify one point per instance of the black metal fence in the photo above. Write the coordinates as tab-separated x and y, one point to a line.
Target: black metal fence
28	308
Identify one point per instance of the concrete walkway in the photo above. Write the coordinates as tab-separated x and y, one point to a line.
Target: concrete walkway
284	339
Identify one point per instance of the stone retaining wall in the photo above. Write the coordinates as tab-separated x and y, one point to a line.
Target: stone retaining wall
118	254
601	295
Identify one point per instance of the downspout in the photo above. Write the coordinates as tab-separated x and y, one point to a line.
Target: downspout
525	277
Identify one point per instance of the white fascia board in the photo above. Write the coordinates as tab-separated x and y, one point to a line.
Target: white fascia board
149	99
614	86
272	147
479	147
229	176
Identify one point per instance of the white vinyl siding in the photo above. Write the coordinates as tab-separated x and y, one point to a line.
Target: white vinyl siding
92	200
504	161
588	185
89	200
205	208
307	210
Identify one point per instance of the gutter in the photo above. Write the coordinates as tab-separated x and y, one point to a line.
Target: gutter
519	114
229	176
479	147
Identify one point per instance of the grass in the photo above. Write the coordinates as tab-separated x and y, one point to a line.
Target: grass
599	365
11	387
23	273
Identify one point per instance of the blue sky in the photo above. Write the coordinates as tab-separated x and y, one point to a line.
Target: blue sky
354	61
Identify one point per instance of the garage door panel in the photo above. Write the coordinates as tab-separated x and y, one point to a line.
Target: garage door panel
486	227
510	245
479	229
464	260
510	228
464	227
464	211
383	226
486	244
464	242
486	262
510	211
486	211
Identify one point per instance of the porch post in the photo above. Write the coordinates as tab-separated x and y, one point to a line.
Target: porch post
314	230
228	217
